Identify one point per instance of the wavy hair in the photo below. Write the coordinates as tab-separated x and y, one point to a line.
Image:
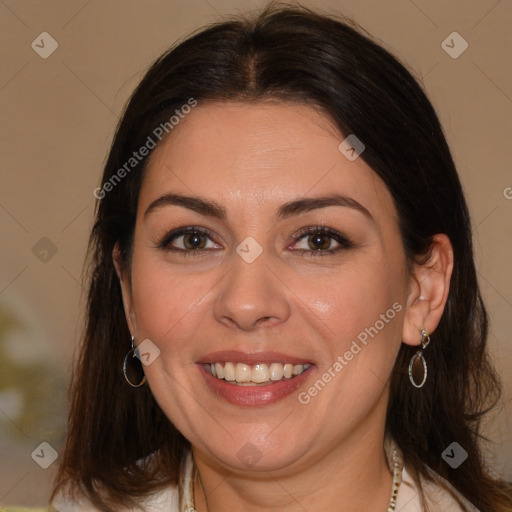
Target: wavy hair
289	54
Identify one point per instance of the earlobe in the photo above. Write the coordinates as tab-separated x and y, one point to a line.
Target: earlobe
124	281
429	288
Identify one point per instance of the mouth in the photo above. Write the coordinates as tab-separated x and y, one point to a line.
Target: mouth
260	374
253	379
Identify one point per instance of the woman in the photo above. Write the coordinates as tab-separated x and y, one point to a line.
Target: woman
283	311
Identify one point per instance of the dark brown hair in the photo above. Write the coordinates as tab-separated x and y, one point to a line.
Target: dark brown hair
289	54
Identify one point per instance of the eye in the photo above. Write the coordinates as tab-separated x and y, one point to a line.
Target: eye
191	239
319	240
315	240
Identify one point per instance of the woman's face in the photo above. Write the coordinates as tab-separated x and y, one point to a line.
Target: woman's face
258	293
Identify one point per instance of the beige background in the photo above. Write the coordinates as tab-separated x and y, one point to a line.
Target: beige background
58	117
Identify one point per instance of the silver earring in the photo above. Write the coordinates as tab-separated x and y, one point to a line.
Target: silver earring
132	368
417	364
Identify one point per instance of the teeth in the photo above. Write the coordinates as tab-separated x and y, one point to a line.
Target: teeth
229	371
260	373
245	374
298	369
219	370
276	371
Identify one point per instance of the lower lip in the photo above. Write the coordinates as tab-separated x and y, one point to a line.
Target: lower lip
254	395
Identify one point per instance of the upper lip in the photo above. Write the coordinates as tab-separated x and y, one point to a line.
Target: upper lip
251	358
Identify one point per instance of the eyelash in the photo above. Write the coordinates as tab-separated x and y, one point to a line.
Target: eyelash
344	242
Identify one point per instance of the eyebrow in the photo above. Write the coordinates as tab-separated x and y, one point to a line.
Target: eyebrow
210	208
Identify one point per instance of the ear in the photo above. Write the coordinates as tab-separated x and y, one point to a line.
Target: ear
428	292
125	282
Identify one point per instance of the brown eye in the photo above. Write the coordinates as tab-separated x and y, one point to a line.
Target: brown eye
194	240
318	241
188	240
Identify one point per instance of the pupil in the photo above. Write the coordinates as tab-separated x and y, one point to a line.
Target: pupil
193	240
320	241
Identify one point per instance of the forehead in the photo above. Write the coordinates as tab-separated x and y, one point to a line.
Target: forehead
252	155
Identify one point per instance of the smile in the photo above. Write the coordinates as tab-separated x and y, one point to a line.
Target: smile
253	375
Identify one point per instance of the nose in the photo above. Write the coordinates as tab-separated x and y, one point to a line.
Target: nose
252	296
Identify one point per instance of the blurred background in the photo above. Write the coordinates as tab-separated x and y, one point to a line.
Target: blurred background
68	68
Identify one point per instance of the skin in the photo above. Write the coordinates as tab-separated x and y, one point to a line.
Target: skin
252	158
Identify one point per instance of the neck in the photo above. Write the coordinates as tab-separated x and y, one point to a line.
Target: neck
352	476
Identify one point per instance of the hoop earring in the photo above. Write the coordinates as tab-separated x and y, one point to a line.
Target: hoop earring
133	368
417	364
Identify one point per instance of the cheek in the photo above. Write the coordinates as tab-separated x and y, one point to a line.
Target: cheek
167	302
361	312
354	296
